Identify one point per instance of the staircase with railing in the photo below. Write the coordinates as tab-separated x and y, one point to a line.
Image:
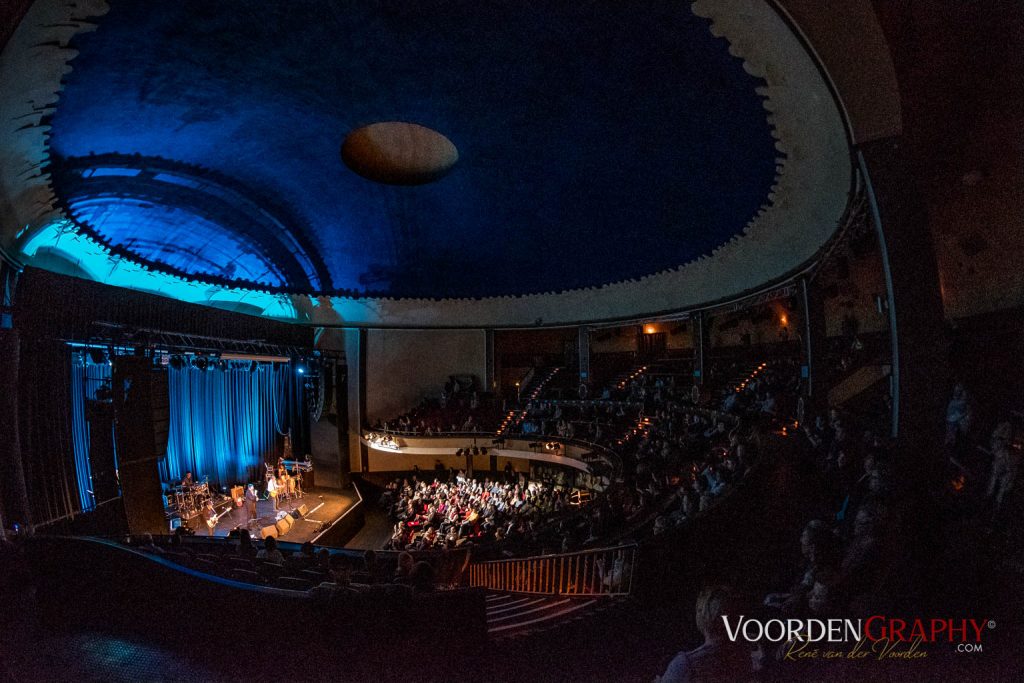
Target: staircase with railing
515	417
535	593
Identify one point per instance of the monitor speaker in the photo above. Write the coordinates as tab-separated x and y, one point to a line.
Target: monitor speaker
283	526
268	531
300	512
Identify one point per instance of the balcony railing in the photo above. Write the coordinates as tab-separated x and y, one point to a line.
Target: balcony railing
607	571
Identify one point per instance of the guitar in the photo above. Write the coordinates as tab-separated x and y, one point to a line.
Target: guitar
212	521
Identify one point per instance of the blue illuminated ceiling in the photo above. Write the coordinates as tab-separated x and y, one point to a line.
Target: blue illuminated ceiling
598	141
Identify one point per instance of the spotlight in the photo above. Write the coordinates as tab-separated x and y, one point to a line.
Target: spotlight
176	362
97	356
200	363
253	366
483	451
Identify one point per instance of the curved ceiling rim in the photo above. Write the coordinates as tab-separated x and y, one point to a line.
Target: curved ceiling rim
729	18
809	269
222	189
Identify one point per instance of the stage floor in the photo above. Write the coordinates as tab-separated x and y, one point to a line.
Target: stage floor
323	505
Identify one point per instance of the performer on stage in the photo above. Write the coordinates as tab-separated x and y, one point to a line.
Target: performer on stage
186	482
250	500
297	481
272	491
287	487
210	517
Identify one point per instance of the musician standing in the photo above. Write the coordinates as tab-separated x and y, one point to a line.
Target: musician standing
251	497
272	491
297	481
210	516
287	488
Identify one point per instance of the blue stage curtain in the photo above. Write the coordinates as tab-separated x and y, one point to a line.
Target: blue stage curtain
86	378
222	422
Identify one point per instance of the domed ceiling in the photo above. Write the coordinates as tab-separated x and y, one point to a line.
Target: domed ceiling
596	142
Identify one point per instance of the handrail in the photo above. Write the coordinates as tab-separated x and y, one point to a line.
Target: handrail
609	455
600	572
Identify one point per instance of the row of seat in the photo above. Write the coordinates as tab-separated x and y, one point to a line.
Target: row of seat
258	572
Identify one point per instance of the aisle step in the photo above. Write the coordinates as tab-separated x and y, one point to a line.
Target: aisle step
511	615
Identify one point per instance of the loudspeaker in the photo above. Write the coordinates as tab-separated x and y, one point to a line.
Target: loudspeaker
283	525
268	531
141	405
143	498
100	415
300	511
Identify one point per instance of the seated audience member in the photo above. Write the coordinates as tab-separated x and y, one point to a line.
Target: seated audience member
863	564
422	577
305	559
177	538
323	560
372	569
718	658
270	553
820	550
149	546
404	570
245	547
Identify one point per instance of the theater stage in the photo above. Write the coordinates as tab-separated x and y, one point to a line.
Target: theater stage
324	506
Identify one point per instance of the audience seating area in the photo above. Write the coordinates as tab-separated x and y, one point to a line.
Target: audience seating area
677	450
459	408
282	565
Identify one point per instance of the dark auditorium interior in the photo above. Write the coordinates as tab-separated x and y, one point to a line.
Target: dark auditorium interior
733	393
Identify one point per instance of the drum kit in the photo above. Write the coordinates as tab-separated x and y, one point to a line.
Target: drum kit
189	500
